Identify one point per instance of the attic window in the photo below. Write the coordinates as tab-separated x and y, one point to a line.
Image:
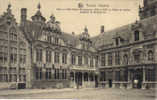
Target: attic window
136	35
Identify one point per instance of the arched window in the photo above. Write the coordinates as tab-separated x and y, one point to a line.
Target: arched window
150	55
136	35
125	57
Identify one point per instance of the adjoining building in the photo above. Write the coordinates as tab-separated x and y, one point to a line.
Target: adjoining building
129	54
37	54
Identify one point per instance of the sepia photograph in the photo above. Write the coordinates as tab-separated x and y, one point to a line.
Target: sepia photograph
78	49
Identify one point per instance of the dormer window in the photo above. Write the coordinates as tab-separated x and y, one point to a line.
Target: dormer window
136	35
117	41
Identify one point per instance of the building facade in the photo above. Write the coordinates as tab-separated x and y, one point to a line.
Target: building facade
36	53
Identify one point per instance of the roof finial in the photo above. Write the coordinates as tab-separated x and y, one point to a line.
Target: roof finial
39	6
8	9
9	6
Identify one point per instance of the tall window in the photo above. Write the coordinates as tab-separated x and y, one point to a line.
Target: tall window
64	58
56	40
48	56
22	56
117	76
13	35
150	75
137	37
137	57
86	60
73	59
13	76
125	57
56	58
110	59
48	73
96	61
103	59
39	55
38	74
64	73
150	55
13	55
3	54
117	58
79	60
49	39
91	62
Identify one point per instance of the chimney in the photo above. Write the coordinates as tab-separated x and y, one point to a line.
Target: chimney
102	29
23	14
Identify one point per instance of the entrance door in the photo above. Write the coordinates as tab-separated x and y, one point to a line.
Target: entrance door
110	83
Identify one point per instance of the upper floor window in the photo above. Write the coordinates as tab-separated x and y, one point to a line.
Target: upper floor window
125	57
13	55
96	61
137	58
64	58
3	54
103	60
117	58
56	58
39	55
22	56
91	62
48	56
136	35
150	55
79	60
73	59
49	39
13	35
86	60
56	40
110	59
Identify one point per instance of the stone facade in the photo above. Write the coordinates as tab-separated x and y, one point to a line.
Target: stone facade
38	54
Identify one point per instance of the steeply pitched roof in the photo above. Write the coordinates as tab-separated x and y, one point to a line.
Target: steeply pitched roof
149	25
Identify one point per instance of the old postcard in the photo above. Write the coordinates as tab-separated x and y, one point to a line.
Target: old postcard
78	49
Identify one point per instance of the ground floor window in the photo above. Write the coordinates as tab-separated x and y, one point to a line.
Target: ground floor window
38	74
64	73
48	73
117	76
150	75
102	76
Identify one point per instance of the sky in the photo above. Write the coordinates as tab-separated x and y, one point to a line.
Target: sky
74	21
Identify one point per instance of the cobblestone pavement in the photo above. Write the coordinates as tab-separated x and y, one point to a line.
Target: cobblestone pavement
85	94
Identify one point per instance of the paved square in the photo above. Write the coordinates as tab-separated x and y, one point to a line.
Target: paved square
87	94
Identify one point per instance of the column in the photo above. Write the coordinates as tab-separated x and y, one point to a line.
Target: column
129	85
113	77
82	79
74	85
144	78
